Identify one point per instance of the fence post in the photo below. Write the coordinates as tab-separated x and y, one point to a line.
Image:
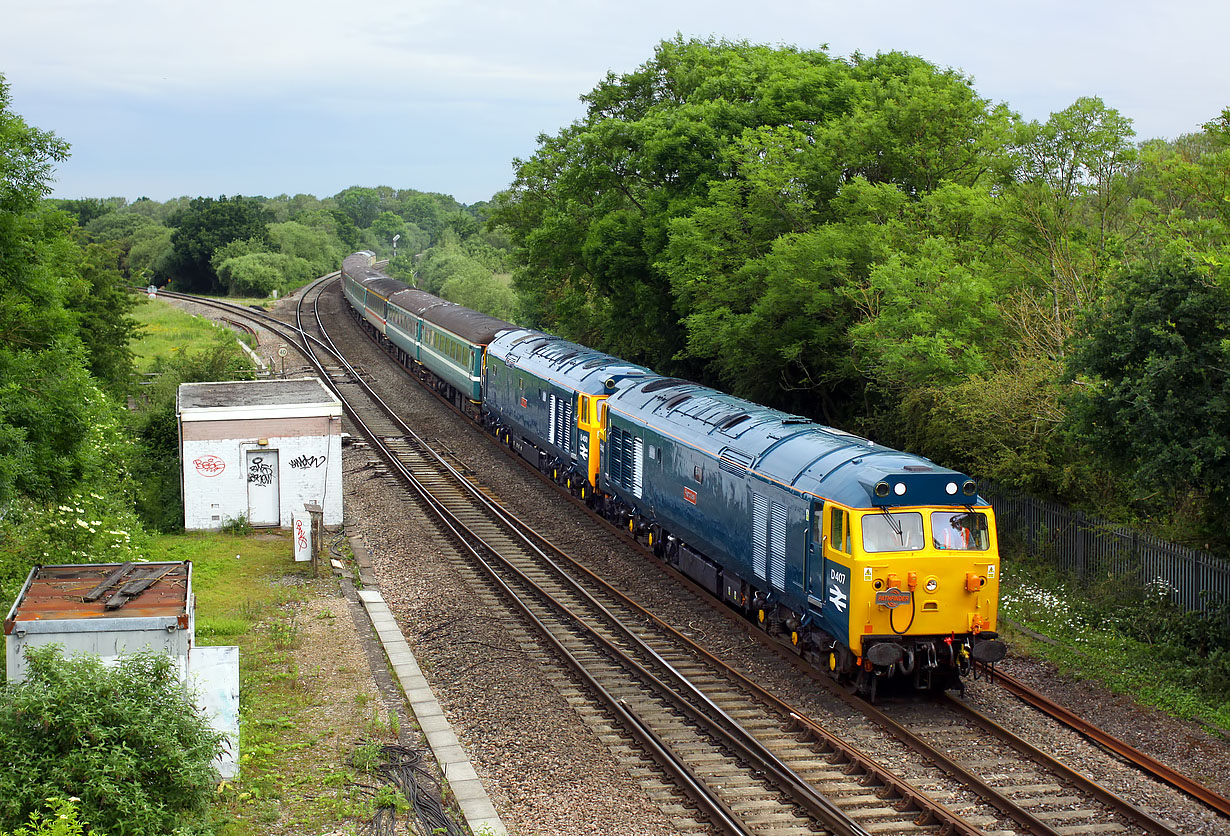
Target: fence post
318	529
1081	531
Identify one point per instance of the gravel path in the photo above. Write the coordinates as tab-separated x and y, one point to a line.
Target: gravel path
546	772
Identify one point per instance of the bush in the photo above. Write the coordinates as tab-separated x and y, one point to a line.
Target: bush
124	740
61	821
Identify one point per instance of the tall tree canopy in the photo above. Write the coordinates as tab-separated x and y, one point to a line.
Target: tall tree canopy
703	203
56	426
1155	361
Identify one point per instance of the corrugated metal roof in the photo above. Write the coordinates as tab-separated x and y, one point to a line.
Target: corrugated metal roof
58	593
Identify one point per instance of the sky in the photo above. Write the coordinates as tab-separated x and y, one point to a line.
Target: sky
163	98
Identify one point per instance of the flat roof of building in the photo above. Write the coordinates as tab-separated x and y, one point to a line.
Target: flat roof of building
246	393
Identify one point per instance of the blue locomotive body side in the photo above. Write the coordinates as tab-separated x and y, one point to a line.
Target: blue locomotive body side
547	392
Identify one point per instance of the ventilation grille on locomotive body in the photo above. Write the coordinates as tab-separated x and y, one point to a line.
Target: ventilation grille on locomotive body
625	453
560	433
769	541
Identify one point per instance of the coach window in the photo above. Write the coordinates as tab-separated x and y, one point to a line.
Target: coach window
698	473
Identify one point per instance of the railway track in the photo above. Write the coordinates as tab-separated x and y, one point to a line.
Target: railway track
744	760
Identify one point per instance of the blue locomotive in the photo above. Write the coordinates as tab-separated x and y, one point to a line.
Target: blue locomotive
871	562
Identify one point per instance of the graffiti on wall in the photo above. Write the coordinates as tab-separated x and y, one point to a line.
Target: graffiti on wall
304	462
259	472
209	466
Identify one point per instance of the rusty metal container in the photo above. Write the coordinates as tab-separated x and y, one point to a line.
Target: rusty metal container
107	609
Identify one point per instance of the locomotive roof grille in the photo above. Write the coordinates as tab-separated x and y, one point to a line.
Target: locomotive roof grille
675	401
663	383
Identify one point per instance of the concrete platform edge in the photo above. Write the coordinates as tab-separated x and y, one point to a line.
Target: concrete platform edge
467	789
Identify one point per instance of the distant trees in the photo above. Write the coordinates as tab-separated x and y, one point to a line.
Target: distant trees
205	226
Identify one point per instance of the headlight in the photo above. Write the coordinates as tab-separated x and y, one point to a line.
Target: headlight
932	584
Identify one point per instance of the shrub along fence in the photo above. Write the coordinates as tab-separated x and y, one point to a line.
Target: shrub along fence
1091	548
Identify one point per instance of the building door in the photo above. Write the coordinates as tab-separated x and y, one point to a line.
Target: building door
263	500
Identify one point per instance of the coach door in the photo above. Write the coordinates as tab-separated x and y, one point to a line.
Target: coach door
263	499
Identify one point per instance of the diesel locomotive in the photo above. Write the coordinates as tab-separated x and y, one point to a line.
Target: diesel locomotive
872	563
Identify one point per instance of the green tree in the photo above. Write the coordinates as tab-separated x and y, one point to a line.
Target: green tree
360	204
713	195
204	226
1153	364
150	259
57	429
1070	200
104	319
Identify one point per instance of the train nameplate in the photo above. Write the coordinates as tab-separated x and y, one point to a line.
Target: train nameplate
893	598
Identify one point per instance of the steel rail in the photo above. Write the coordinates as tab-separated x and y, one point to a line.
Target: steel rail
736	738
1129	811
1150	765
735	735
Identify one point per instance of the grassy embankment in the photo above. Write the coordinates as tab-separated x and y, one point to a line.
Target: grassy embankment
307	701
166	331
307	705
1096	633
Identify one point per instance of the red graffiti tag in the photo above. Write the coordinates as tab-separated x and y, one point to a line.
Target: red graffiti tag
209	466
300	534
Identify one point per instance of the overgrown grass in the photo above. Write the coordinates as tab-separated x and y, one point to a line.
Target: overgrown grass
296	773
1127	638
167	331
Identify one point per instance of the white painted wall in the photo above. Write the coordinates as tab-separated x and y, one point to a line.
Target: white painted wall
215	479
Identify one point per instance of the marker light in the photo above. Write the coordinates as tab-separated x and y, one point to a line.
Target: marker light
881	489
899	489
969	488
932	584
951	488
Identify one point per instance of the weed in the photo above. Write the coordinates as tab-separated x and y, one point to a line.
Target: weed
367	758
237	526
390	796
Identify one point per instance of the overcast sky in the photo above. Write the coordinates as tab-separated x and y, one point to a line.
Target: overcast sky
165	97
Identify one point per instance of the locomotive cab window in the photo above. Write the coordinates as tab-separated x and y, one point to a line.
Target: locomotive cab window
839	529
698	473
888	532
960	530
